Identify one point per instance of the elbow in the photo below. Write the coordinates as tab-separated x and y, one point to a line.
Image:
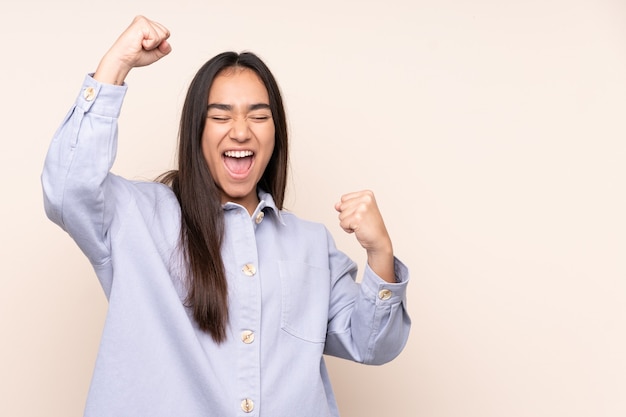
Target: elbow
391	343
52	203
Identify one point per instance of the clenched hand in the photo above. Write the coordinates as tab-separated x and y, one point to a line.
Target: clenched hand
359	214
142	43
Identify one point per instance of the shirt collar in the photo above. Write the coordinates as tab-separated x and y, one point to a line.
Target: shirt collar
266	201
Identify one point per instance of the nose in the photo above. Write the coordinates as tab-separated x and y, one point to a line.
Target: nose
239	130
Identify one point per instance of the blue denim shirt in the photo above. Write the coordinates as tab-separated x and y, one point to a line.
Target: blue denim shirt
292	295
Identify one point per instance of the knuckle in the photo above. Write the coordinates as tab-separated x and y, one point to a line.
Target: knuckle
362	207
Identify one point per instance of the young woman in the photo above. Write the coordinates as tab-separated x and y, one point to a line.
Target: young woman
220	302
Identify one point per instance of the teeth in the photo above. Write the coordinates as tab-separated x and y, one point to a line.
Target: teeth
238	154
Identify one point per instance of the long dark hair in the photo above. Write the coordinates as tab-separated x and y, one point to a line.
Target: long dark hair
202	220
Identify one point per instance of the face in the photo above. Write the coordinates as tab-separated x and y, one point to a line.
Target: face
238	139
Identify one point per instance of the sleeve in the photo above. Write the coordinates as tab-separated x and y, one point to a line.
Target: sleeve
368	321
76	180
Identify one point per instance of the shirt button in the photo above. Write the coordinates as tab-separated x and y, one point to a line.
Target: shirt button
384	294
247	336
89	94
259	217
247	405
249	270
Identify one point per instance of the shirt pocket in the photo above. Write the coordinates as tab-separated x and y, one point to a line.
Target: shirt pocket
305	292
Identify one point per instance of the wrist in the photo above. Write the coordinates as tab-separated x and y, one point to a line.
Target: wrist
111	71
381	261
383	248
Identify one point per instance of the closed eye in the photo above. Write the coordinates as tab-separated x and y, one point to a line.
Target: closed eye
218	118
260	117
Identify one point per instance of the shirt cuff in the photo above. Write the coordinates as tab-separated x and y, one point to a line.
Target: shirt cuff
99	98
383	291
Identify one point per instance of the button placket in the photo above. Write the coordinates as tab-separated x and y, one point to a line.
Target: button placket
247	302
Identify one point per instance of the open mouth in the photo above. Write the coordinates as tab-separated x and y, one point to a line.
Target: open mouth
238	163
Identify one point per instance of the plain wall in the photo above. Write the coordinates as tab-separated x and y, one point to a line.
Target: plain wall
492	132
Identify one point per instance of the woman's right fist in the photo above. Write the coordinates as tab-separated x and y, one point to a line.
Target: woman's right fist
142	43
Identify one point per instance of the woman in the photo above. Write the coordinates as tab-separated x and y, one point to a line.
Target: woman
220	302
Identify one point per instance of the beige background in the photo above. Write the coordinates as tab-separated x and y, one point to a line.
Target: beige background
493	133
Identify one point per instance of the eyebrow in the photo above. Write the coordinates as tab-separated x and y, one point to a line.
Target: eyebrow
228	107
